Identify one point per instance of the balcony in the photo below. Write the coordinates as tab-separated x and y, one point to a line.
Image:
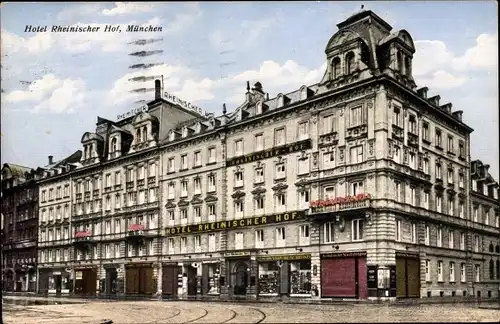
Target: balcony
135	233
412	140
83	240
95	193
397	132
340	205
151	180
129	185
87	195
141	182
141	207
356	132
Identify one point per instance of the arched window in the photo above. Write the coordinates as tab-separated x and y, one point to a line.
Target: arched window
138	136
400	62
349	62
498	269
490	247
336	70
113	144
492	270
497	249
144	133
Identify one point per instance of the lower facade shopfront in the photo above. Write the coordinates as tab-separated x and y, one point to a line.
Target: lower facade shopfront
344	275
55	281
139	279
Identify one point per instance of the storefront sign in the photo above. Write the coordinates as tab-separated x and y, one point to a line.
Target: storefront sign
79	275
136	227
273	152
372	277
235	224
132	112
343	255
182	103
82	234
407	255
285	257
339	200
236	254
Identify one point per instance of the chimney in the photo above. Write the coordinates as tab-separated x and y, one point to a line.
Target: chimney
258	87
157	89
435	100
422	92
458	114
51	159
447	107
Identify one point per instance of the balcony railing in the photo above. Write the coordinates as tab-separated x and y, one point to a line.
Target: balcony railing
340	204
136	233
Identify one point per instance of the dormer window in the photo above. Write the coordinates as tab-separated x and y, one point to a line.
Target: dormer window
113	144
349	63
281	101
336	69
303	93
184	132
138	135
259	108
400	62
144	133
408	66
172	136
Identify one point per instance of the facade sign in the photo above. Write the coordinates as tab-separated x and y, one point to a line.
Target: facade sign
184	104
273	152
285	257
236	254
234	224
343	255
132	112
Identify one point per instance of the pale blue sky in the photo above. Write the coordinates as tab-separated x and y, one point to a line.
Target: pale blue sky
85	74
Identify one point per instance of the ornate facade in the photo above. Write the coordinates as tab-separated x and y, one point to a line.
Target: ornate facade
358	186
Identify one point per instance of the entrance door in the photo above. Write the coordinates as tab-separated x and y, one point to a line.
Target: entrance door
169	280
132	280
111	276
241	279
407	277
58	282
191	272
146	281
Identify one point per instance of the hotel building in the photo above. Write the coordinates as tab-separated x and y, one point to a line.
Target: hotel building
358	186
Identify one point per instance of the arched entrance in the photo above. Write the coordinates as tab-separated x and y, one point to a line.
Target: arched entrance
240	275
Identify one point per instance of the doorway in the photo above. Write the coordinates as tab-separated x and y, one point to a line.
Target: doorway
241	278
191	284
111	276
58	283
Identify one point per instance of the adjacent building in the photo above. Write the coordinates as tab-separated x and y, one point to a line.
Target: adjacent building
19	228
359	186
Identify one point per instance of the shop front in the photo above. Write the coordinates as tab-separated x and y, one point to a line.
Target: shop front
56	281
344	275
407	275
288	274
86	280
240	274
139	279
210	274
110	285
170	282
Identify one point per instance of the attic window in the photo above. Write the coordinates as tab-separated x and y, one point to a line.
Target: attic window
281	101
172	136
259	108
184	132
138	136
400	62
303	93
408	66
336	69
113	144
349	62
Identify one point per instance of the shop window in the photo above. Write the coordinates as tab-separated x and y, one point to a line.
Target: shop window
300	277
268	278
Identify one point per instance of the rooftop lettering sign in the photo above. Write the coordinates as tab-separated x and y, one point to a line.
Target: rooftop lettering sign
184	104
132	112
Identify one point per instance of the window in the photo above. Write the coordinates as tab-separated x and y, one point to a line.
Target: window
356	188
413	232
304	199
474	185
461	149
211	242
357	230
152	221
357	154
238	179
413	124
117	178
238	208
328	160
303	166
152	170
238	147
113	145
439	174
462	241
197	186
280	201
451	240
259	239
440	271
108	180
279	137
461	213
425	132
397	191
412	196
171	165
280	171
412	161
397	155
184	188
336	67
259	175
140	172
117	226
425	165
452	271
304	235
328	124
141	197
396	117
439	237
211	183
426	200
487	217
171	246
450	176
197	213
463	277
450	144
438	138
171	216
398	230
183	244
303	131
108	202
259	142
184	162
439	204
184	213
329	232
259	204
476	213
197	158
356	116
461	180
476	243
427	270
238	241
211	212
427	235
211	155
280	237
477	271
197	243
450	207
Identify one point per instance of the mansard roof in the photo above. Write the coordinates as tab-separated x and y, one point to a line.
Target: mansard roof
16	170
401	35
88	136
115	129
143	116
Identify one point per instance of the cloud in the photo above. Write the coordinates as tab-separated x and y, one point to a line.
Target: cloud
430	55
183	20
39	43
442	80
482	56
51	94
75	13
124	8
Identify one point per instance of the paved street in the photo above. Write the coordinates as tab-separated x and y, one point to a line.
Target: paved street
205	312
